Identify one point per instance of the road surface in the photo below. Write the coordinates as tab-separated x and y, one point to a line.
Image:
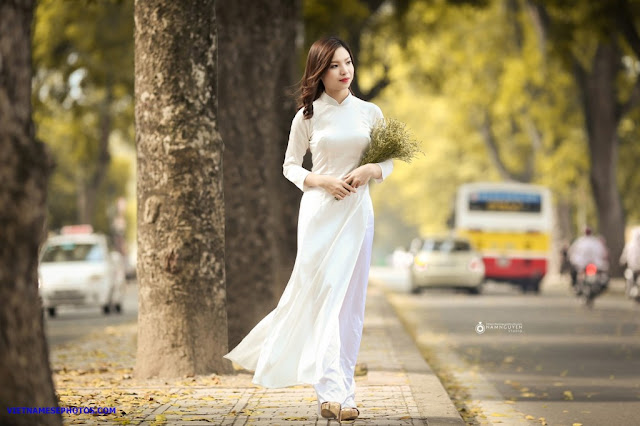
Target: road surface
72	323
513	358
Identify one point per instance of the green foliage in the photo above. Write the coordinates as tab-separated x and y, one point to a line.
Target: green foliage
479	72
332	17
577	30
489	87
96	36
493	102
83	93
424	189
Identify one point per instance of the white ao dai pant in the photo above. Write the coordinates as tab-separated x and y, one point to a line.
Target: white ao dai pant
338	383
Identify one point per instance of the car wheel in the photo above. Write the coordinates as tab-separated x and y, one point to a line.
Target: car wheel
535	286
415	289
52	312
106	309
531	285
118	308
475	290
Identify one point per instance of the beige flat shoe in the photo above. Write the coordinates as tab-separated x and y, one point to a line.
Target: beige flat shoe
348	414
330	410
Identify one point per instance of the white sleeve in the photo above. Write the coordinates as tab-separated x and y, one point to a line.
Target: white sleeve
386	166
297	147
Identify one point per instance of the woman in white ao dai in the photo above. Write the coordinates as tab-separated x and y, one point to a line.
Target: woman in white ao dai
314	333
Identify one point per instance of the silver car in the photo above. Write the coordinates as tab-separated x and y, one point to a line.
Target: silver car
80	270
447	262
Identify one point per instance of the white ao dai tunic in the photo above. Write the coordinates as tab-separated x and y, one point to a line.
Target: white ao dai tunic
300	339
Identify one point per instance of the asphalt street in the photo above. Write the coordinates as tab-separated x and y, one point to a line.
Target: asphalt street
71	323
536	359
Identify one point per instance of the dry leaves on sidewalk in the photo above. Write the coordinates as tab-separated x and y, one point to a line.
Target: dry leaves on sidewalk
97	371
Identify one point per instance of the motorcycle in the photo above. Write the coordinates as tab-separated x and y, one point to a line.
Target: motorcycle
591	282
632	287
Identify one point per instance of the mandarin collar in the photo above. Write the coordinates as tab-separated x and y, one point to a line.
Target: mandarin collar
329	100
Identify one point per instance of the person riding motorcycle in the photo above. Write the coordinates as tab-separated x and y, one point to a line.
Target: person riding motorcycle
585	250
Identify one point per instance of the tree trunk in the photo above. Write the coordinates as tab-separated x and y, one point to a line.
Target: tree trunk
598	87
561	233
257	74
24	166
564	221
182	320
81	199
354	39
92	187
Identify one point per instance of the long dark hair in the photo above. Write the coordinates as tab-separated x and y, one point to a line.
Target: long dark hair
318	61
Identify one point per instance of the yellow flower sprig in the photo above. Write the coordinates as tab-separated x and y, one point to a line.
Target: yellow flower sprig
390	139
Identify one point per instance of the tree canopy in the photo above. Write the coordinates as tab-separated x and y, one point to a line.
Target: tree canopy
491	90
83	104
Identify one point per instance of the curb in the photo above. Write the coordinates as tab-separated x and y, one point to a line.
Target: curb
433	401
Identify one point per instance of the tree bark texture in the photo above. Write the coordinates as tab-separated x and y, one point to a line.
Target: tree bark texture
256	78
24	166
598	87
182	320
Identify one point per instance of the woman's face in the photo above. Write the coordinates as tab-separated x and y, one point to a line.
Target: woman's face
339	75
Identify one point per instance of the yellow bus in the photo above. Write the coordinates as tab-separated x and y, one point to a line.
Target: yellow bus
510	225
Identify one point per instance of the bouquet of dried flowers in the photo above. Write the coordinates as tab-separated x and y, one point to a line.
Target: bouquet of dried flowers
390	139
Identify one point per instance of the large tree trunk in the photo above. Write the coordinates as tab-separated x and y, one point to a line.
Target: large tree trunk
24	361
182	320
257	68
598	87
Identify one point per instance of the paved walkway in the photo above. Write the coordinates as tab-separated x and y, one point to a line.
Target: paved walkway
399	388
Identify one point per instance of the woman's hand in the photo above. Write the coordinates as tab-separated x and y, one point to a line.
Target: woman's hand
360	176
336	187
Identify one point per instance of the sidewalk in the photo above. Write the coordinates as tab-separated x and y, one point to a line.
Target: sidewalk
399	388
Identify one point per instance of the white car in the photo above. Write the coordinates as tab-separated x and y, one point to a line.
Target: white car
447	262
80	270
